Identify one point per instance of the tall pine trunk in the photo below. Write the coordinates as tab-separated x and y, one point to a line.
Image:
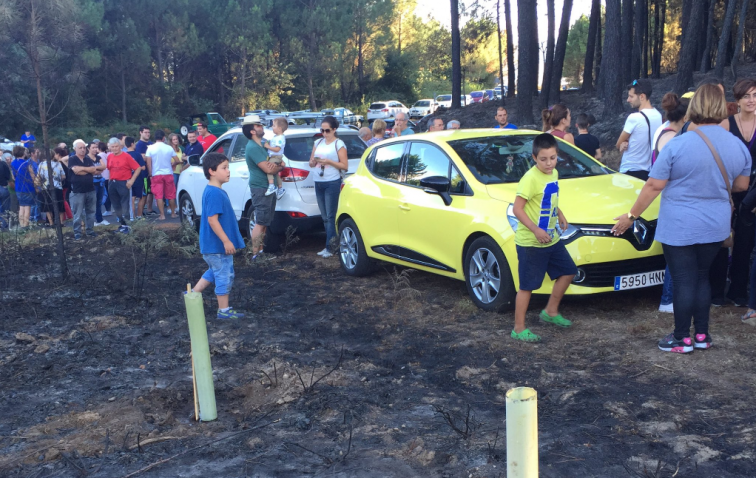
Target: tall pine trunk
626	42
527	55
560	51
724	39
456	59
548	63
511	72
590	48
687	62
706	60
599	57
635	60
612	59
739	39
501	58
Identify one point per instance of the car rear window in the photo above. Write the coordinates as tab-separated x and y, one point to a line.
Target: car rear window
506	159
422	103
476	94
300	148
443	98
377	106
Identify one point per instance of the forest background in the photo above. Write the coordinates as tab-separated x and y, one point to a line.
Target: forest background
86	66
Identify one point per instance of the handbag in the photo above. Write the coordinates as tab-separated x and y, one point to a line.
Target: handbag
727	242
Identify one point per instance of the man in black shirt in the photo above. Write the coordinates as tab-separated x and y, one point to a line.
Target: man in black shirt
5	198
584	140
83	195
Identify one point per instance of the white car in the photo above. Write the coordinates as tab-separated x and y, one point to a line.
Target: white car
385	109
422	108
8	145
297	208
445	100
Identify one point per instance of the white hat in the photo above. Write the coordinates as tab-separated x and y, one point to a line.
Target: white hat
251	119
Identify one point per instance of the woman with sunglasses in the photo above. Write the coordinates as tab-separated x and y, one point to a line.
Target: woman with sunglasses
328	162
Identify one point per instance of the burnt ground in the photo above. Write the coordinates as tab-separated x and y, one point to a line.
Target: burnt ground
400	374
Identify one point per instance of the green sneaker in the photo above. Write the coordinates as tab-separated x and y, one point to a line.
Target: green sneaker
556	320
526	336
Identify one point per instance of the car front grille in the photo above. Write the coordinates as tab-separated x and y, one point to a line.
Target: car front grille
603	274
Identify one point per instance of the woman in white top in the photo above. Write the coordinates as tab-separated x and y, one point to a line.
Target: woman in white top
328	162
47	195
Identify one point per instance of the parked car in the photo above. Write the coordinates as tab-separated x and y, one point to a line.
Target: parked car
390	126
445	100
385	109
481	96
408	192
215	123
422	108
8	145
497	92
297	208
345	116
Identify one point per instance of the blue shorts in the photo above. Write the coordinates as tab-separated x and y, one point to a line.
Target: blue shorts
536	262
137	189
221	272
26	199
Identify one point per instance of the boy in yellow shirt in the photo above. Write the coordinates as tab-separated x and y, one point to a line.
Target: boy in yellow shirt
539	250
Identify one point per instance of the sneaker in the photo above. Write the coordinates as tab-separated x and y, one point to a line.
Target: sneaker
279	193
671	344
77	237
271	190
739	301
107	213
151	213
526	336
326	254
324	251
102	223
92	234
229	314
556	320
668	308
124	229
717	302
702	341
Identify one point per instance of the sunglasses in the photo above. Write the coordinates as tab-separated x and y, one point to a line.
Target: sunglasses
635	82
325	130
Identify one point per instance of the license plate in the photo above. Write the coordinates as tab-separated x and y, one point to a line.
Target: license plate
638	281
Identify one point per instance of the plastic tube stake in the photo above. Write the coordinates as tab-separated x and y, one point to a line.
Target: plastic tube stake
203	370
522	433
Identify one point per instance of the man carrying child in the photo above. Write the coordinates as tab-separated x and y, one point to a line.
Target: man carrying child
539	249
275	149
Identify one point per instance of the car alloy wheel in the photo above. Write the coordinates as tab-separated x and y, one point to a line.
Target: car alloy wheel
348	248
485	275
352	255
186	210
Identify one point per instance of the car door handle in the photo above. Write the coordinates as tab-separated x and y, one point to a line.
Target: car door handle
404	207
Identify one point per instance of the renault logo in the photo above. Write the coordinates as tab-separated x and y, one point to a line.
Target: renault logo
640	231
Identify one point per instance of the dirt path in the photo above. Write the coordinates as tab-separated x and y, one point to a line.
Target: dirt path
97	382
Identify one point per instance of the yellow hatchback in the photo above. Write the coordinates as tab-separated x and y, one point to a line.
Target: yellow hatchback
442	202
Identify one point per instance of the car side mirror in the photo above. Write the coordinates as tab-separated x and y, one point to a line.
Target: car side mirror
437	185
194	160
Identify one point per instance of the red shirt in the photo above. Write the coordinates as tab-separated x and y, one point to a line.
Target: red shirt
121	166
206	141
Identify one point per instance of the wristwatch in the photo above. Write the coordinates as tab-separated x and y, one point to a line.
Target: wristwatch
631	217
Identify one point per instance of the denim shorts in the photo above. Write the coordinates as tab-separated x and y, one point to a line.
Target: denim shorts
221	272
535	262
26	199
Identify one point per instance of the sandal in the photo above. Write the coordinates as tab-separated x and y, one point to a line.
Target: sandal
748	315
556	320
526	336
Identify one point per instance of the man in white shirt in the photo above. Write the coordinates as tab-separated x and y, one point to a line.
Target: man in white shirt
635	142
160	159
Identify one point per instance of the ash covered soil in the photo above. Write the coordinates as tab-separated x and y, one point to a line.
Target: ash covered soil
393	375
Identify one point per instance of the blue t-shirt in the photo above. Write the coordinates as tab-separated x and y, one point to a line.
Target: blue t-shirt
140	160
407	132
695	207
508	126
141	146
24	180
215	201
31	139
192	149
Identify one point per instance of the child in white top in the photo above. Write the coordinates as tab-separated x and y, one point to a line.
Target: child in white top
275	149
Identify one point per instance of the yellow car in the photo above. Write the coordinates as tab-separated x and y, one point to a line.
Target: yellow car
442	203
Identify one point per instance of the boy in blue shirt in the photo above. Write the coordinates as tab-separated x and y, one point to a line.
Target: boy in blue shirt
219	234
539	249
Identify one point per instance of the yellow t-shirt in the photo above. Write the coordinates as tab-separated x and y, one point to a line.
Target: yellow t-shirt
542	193
177	169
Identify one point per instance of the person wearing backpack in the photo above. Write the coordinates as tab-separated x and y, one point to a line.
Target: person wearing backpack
328	162
635	142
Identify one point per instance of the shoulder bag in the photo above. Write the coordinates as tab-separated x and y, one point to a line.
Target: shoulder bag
727	242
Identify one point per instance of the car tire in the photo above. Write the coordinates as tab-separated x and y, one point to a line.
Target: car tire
352	254
184	130
488	277
272	242
187	213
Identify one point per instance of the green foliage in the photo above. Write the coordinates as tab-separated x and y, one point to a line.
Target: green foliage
574	57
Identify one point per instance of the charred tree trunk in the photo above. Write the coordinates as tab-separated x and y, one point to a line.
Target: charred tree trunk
123	91
536	54
599	57
687	62
724	39
590	48
612	60
706	60
456	59
640	29
560	51
738	50
527	55
626	42
501	58
511	72
548	61
646	41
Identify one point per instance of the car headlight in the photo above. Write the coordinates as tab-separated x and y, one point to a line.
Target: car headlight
568	233
513	221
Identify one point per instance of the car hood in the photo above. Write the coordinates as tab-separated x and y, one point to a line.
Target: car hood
590	200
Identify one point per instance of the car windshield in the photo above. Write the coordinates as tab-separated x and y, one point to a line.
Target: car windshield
422	103
443	98
377	106
505	159
299	148
215	118
476	94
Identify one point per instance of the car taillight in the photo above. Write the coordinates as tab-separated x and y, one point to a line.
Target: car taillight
291	175
342	186
296	215
385	110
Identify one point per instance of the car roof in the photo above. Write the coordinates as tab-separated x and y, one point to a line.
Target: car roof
456	134
295	130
